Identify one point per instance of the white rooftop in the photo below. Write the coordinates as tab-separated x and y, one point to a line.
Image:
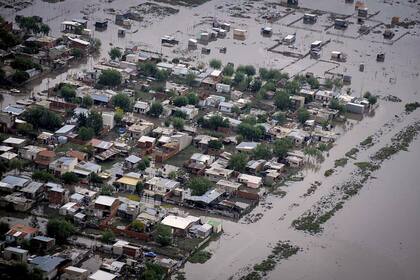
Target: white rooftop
179	222
105	200
102	275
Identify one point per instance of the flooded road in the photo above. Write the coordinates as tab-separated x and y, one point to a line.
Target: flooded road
375	235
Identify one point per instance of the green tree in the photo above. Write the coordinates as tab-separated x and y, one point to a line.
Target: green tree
179	114
122	101
238	162
161	75
87	101
303	115
45	29
23	64
238	78
95	179
215	144
43	176
77	53
110	77
70	178
215	64
60	229
138	226
147	69
16	164
192	98
156	109
256	85
20	77
118	115
68	92
190	79
280	118
262	151
249	70
199	185
115	53
178	123
228	70
163	235
214	122
152	272
282	100
107	236
336	105
93	120
86	133
41	117
251	132
180	101
25	128
282	147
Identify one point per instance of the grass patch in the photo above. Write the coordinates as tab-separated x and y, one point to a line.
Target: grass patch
352	153
199	257
133	197
329	172
340	162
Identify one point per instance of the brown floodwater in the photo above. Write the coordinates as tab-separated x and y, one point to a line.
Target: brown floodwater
375	235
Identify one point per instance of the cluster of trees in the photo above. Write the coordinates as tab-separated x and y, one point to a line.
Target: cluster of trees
60	229
107	236
68	92
371	98
20	271
90	125
152	271
7	39
149	69
215	64
266	151
199	185
123	101
251	132
156	109
43	118
163	235
110	78
22	63
189	99
115	53
70	178
214	122
143	164
238	162
33	25
15	164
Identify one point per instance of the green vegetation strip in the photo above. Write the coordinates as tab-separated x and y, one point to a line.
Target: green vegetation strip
200	257
282	250
313	219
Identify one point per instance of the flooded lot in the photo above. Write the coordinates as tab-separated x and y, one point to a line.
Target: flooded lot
375	235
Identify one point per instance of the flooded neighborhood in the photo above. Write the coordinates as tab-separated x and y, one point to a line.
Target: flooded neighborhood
209	139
